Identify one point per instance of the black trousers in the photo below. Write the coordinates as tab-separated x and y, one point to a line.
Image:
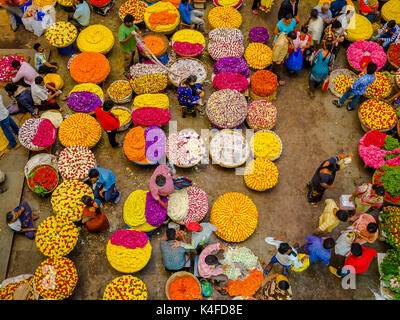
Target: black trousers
111	137
45	69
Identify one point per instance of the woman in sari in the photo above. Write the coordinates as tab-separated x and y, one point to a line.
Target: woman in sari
285	25
93	217
274	287
315	26
366	196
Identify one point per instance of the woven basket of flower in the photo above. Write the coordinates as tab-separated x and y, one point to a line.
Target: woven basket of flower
366	128
271	97
162	37
176	275
43	166
176	84
274	133
126	125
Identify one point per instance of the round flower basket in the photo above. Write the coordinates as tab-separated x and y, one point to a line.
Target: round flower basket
224	17
272	132
359	28
162	17
151	100
259	34
37	134
120	92
196	67
161	37
391	11
230	80
358	51
9	286
397	78
262	115
125	288
134	211
228	3
91	67
336	73
177	275
99	3
271	97
151	83
258	55
54	78
393	55
192	50
225	35
261	174
74	162
221	49
6	68
95	38
61	34
91	87
55	116
381	88
124	115
43	192
387	112
134	7
140	70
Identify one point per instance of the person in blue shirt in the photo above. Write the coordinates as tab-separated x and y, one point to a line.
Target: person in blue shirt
319	249
81	17
174	258
103	181
387	34
190	94
191	16
338	7
358	88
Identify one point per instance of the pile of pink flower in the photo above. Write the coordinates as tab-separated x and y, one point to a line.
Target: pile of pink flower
363	52
5	67
221	49
148	116
130	239
230	80
187	48
37	134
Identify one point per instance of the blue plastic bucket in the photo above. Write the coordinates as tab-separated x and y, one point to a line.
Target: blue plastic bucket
68	50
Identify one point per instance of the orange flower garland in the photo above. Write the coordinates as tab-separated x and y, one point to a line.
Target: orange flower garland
246	287
91	67
184	288
263	83
154	44
135	145
162	18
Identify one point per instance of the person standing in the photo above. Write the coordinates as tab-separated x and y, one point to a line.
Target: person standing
81	17
366	196
108	121
358	88
42	66
303	40
8	125
13	11
280	52
315	26
334	33
331	216
319	249
325	13
41	96
103	181
285	25
21	219
337	7
191	16
289	6
342	249
24	71
127	41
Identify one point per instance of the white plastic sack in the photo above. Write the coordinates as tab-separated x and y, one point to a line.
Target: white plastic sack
40	159
39	27
18	279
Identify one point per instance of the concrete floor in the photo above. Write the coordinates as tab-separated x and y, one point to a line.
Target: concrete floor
311	131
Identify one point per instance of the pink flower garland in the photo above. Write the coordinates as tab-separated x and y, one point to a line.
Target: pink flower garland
130	239
230	80
150	116
198	205
5	67
46	134
359	49
187	49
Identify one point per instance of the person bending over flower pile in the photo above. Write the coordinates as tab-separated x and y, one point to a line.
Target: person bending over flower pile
24	73
161	183
41	96
109	123
23	98
366	196
174	257
93	217
190	94
103	183
21	219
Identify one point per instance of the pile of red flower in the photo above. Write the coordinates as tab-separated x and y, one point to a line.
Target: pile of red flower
391	225
394	54
43	180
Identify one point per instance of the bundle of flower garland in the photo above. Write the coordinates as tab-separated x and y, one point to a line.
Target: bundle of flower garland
152	83
151	116
261	174
90	87
135	8
83	101
259	34
55	117
61	34
357	50
90	67
7	291
74	162
145	146
246	287
391	225
125	288
263	83
43	3
229	148
258	55
220	49
232	64
235	215
239	260
66	199
380	88
391	11
342	83
388	176
224	17
188	205
161	17
230	80
183	68
55	278
56	236
228	3
359	28
6	68
95	38
128	251
65	3
184	288
37	134
188	42
80	129
261	115
185	148
139	70
225	35
151	100
55	79
120	91
174	2
43	179
266	144
226	108
122	114
134	212
154	43
377	115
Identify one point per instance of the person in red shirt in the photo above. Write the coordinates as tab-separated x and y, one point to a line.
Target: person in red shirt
108	121
358	261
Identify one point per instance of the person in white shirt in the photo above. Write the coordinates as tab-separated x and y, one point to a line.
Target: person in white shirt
286	256
8	125
44	98
342	248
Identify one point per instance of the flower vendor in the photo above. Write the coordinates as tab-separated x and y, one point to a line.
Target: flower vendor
103	182
108	121
191	16
161	183
286	256
42	65
337	7
369	8
366	196
334	32
359	260
21	219
331	216
13	11
23	97
315	26
190	94
289	6
323	178
285	25
342	249
358	88
174	257
321	66
280	51
200	235
319	249
25	74
303	40
127	41
81	17
93	216
41	96
366	229
324	12
387	34
8	125
274	287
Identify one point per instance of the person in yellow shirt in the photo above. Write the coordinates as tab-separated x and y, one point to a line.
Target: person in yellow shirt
331	216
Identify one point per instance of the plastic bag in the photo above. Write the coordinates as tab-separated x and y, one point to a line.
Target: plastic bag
206	289
31	21
295	61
